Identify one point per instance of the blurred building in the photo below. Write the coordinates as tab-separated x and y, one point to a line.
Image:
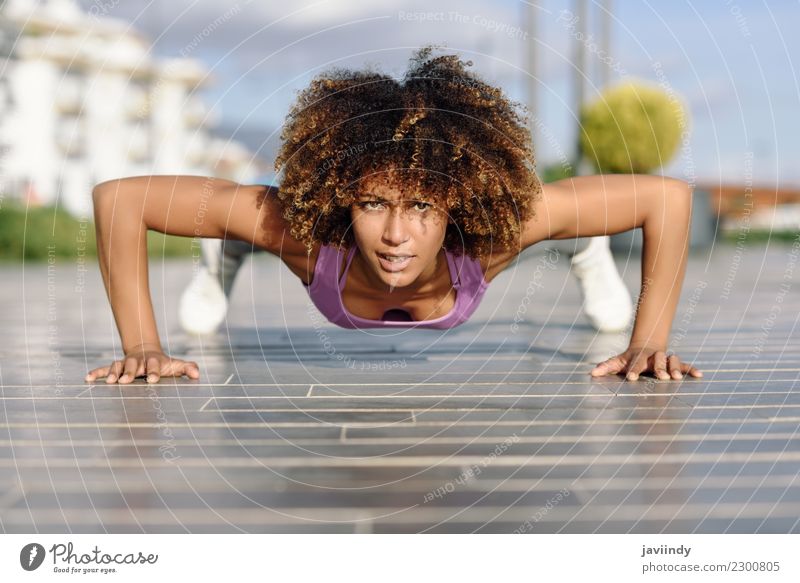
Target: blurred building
83	101
774	209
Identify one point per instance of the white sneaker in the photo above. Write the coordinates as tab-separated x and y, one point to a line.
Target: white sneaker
204	302
606	301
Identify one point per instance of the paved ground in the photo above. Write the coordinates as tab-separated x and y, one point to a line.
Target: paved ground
297	426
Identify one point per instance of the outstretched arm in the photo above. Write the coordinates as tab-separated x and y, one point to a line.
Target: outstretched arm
125	209
606	204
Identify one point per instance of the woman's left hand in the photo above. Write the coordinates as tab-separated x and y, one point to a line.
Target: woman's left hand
635	361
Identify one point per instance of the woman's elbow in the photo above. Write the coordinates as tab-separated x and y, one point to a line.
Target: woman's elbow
680	187
677	212
675	198
683	194
107	186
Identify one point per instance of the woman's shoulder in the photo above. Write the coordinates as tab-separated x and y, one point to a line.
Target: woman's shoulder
300	261
496	262
304	264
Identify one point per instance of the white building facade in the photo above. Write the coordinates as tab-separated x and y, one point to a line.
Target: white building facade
83	101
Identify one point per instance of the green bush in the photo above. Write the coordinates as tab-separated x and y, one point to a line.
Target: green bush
34	232
631	129
554	172
760	236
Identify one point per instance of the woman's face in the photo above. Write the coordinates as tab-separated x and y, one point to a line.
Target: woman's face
387	222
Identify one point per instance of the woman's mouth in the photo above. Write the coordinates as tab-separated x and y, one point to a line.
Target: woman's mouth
391	262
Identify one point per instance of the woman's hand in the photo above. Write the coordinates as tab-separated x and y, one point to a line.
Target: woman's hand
635	361
141	361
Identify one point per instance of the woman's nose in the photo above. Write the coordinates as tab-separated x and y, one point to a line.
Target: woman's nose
396	231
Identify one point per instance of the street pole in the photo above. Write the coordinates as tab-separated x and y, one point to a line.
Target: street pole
533	69
579	76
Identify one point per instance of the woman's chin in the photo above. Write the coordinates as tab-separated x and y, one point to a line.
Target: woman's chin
396	279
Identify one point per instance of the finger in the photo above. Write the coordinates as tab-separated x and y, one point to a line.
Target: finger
610	366
131	366
153	369
98	372
116	369
601	368
674	366
191	370
660	365
171	367
689	369
638	364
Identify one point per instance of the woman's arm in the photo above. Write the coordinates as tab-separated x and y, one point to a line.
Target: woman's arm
191	206
606	204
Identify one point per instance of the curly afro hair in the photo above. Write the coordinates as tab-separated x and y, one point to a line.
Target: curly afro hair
457	140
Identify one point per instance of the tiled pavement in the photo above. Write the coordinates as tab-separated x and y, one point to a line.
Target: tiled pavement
298	426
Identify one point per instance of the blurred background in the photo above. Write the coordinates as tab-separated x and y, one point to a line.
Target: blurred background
92	90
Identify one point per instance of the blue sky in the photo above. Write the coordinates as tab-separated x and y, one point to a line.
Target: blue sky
732	63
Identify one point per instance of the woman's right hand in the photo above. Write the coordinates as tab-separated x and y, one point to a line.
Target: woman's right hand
142	361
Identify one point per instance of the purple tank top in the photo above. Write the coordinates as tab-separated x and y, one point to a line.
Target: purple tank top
326	293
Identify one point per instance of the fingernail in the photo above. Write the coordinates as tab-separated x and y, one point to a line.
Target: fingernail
151	378
111	378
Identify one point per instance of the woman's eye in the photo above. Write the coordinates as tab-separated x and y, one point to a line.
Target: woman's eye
376	205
